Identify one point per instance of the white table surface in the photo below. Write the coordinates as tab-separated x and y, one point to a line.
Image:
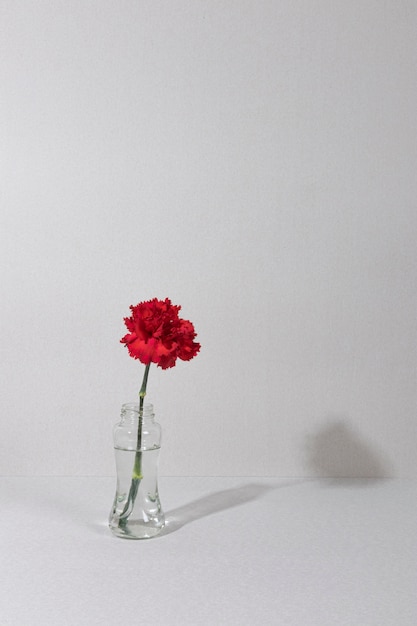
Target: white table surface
236	551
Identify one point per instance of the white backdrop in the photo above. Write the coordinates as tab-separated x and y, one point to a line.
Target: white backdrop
253	160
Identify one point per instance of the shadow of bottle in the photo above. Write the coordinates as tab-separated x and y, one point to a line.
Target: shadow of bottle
218	502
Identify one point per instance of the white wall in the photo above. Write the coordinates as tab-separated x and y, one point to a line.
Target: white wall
253	160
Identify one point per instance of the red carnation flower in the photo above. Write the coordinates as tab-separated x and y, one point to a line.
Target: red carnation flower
158	335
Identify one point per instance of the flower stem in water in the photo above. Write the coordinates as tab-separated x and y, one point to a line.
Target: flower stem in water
137	467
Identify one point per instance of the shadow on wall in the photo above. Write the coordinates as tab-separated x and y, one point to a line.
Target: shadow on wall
337	453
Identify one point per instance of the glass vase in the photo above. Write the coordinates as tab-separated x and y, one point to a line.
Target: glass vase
137	511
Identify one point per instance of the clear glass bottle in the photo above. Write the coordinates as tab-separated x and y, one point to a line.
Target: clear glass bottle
137	511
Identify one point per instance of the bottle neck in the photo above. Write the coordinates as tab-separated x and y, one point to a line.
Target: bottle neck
130	412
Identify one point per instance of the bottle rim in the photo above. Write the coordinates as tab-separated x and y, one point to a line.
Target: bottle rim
134	406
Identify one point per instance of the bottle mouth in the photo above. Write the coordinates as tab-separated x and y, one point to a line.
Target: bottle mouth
134	407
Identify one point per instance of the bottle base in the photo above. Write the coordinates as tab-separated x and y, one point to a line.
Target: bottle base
136	529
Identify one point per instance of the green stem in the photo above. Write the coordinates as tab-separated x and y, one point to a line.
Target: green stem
137	468
142	392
